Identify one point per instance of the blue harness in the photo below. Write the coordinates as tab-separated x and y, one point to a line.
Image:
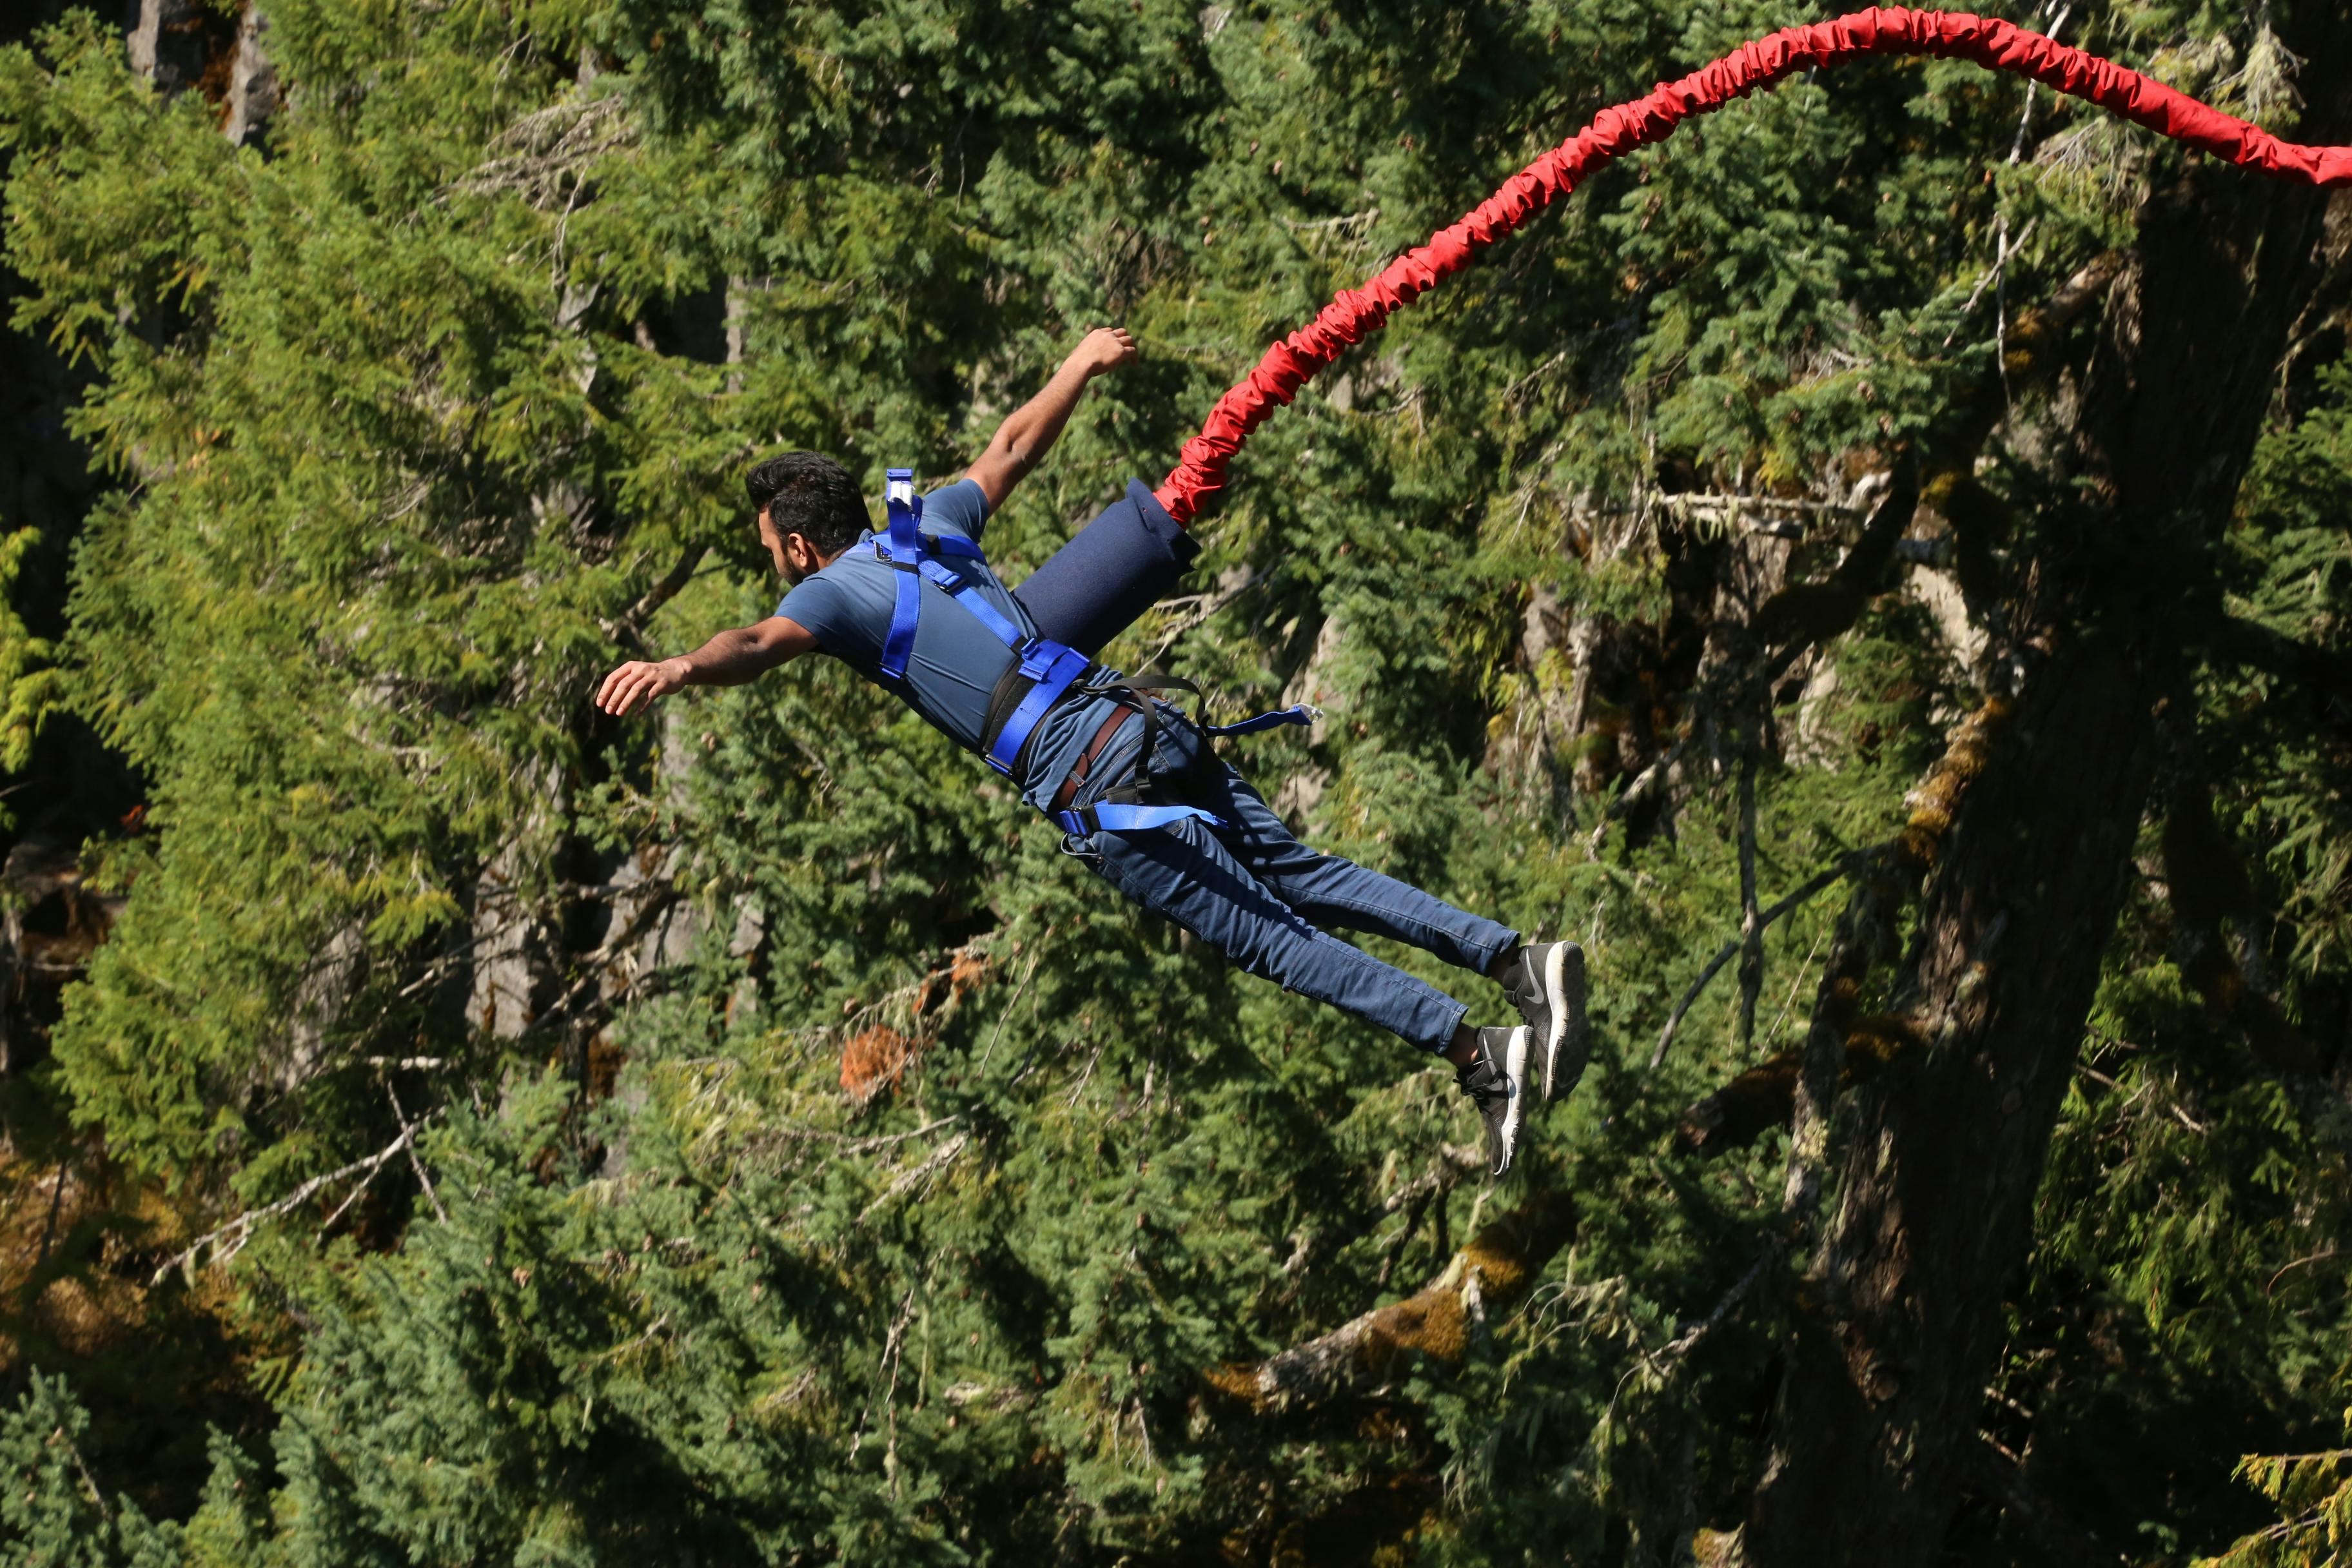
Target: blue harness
1045	672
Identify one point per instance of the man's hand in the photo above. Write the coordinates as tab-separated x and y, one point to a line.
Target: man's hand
1103	350
636	684
729	658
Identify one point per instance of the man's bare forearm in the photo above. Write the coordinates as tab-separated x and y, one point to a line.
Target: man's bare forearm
731	659
733	656
1030	431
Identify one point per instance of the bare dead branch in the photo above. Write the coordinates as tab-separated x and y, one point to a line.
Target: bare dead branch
1751	924
1846	864
408	1133
1195	611
334	1218
917	1175
1443	1174
1800	616
629	629
1645	784
1689	1339
227	1241
788	1131
545	153
82	1466
593	965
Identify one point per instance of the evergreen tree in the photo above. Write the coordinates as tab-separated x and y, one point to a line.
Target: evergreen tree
746	1139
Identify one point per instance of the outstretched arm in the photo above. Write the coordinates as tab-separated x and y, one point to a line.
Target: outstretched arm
1021	442
731	659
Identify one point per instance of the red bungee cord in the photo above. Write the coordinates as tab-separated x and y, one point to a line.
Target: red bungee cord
1889	30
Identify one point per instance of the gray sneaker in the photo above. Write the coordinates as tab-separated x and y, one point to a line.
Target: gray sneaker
1495	1083
1546	982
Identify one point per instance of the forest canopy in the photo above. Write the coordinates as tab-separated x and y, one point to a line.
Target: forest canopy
1874	569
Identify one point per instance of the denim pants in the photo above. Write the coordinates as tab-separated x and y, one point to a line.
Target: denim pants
1258	896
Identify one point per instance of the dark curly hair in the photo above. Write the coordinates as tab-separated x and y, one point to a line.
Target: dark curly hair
808	494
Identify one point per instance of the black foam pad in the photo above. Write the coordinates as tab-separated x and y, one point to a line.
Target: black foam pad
1118	566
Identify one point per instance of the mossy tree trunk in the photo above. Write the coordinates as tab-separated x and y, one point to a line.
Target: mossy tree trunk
1877	1428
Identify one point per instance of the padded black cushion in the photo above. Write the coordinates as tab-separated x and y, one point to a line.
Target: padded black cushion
1118	566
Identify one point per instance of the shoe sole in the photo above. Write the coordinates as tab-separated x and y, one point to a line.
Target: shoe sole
1515	1114
1563	986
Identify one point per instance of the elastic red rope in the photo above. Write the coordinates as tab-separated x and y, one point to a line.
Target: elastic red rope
1614	133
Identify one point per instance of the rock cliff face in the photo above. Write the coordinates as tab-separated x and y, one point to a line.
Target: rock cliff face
180	45
168	44
252	94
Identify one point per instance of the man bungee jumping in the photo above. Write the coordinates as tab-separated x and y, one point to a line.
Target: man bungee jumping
1130	779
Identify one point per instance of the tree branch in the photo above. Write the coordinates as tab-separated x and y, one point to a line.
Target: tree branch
1797	618
2321	674
916	1175
1688	1339
1751	924
408	1134
1765	1096
630	627
240	1230
1845	866
1805	615
1443	1174
1437	1321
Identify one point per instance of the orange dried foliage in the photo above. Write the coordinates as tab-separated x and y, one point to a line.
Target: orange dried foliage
968	971
873	1062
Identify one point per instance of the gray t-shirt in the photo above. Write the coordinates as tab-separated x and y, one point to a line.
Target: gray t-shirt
957	660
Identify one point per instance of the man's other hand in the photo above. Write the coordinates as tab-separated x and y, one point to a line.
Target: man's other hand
1103	348
636	684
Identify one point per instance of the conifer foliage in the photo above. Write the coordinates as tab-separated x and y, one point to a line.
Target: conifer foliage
1898	511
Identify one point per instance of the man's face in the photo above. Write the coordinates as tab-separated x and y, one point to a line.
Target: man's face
794	556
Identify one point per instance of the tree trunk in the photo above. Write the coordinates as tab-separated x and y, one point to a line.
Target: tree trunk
253	98
1876	1425
166	41
1881	1399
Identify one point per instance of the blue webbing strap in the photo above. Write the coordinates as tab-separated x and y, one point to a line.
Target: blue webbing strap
1049	667
928	546
906	554
969	596
1305	713
932	546
1052	666
1113	818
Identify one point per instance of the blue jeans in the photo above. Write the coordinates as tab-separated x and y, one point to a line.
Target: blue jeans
1257	894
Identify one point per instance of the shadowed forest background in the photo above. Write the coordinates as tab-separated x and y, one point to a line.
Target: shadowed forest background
1875	570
